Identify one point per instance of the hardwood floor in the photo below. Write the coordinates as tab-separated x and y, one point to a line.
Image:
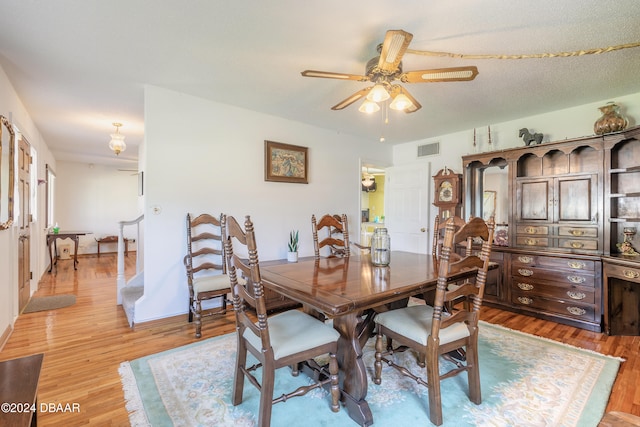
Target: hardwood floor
84	344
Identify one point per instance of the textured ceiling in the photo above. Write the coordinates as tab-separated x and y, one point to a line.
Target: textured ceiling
79	65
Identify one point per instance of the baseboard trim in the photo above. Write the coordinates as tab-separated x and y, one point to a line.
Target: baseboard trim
150	324
5	336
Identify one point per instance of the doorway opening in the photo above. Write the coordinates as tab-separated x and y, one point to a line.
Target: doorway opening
372	196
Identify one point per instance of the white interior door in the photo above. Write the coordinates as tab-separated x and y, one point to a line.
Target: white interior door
407	213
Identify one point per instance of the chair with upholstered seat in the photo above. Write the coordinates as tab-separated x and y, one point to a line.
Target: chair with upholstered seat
206	268
285	339
431	331
335	231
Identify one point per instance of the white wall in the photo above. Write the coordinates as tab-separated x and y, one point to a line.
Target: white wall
11	107
202	156
94	198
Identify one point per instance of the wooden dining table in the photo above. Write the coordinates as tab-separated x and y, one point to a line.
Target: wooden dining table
349	290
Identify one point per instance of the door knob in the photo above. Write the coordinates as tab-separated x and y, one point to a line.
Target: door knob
422	230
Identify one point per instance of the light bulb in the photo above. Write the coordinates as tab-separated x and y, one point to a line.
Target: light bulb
378	93
401	102
369	107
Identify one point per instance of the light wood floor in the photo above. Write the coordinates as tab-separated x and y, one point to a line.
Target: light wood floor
84	344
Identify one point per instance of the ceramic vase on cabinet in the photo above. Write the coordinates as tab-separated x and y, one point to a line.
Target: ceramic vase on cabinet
611	120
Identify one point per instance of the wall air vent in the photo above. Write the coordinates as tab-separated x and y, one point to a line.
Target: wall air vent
429	149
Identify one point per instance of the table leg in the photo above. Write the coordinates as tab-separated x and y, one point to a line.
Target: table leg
75	253
49	242
353	373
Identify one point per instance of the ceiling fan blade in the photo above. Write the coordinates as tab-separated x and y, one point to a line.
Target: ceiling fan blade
394	46
416	104
455	74
339	76
353	98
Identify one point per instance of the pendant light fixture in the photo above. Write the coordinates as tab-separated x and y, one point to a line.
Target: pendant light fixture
117	144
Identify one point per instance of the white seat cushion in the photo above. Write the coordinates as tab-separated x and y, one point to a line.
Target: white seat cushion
293	332
415	323
210	283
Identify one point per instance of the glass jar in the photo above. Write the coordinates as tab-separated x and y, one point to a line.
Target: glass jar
380	247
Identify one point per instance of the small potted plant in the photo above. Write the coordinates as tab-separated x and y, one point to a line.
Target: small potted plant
292	255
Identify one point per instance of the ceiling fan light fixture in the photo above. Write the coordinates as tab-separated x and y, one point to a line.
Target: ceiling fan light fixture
369	107
378	94
117	144
401	102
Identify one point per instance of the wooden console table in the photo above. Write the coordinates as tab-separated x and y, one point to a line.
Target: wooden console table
51	243
19	390
113	239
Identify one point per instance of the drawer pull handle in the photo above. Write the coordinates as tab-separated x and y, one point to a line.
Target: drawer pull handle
577	232
525	300
576	279
631	274
576	295
525	272
576	311
525	286
577	245
525	259
531	242
531	230
576	264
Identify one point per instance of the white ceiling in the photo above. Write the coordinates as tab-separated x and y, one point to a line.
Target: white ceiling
80	65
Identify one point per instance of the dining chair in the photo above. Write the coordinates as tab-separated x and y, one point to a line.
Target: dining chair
286	339
206	268
433	332
438	234
335	230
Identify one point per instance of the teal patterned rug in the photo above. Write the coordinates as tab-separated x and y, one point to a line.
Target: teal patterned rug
526	381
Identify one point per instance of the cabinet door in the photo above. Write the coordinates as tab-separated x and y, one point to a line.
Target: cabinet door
533	200
575	199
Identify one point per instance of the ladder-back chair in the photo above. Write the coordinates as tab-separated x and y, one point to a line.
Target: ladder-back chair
335	229
206	267
432	332
285	339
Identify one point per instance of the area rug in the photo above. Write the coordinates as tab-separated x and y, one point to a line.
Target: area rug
526	381
52	302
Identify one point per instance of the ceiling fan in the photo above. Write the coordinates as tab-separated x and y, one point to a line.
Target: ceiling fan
384	70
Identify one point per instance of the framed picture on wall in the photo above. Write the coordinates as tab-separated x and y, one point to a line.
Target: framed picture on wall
285	163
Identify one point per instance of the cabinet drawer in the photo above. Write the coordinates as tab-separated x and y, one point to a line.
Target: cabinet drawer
533	229
532	241
622	272
578	244
553	262
533	289
578	231
564	308
582	278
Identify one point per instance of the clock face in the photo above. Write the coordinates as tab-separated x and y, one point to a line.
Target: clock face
446	192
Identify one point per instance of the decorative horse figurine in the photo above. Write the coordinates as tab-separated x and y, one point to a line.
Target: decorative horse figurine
528	138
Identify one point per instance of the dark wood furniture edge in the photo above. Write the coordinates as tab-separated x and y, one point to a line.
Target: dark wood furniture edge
19	380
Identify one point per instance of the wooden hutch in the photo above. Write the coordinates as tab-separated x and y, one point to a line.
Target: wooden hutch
567	206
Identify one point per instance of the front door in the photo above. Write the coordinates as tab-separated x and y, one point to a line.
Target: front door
407	207
24	195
